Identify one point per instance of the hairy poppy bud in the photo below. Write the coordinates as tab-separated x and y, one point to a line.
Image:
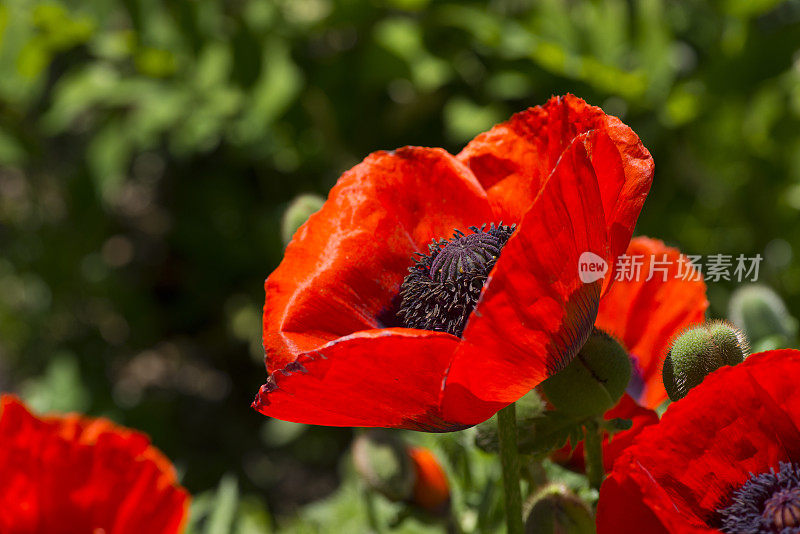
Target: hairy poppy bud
383	462
594	381
763	316
555	509
431	489
298	212
700	351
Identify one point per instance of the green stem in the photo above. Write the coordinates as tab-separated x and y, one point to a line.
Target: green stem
372	515
593	454
533	472
509	459
453	526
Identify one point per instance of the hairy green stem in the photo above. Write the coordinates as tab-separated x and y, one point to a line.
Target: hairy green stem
509	459
593	454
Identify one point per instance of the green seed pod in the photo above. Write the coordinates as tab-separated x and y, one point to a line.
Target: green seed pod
763	317
298	212
700	351
529	408
594	381
382	461
555	510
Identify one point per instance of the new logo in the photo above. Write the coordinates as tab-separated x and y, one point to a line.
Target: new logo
591	267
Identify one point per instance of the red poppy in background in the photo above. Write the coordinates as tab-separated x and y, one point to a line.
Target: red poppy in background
339	347
73	474
657	295
431	488
722	459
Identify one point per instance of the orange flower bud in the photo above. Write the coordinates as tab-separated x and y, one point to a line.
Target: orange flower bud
431	489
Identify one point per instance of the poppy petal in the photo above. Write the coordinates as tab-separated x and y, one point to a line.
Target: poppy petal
740	420
534	313
646	311
387	378
344	266
636	503
514	159
85	474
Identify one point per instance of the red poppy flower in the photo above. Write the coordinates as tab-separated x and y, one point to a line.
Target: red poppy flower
646	310
571	179
722	459
75	474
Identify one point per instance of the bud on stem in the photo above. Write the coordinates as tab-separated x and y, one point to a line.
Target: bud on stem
383	462
699	352
298	212
431	488
594	381
763	317
554	509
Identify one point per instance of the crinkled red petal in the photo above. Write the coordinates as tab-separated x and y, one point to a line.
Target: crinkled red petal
740	420
535	313
387	378
636	504
646	312
626	408
514	160
75	474
344	267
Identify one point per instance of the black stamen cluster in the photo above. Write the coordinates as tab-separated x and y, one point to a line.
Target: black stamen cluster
443	286
768	503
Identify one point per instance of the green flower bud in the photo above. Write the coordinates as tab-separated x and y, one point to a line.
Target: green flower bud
555	510
594	381
528	409
298	212
763	316
382	461
700	351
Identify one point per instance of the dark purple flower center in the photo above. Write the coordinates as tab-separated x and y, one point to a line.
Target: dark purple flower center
783	509
443	286
768	503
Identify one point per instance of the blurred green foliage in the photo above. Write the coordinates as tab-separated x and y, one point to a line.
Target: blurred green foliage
148	149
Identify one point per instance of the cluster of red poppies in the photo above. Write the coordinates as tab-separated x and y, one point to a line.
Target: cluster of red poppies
505	308
568	180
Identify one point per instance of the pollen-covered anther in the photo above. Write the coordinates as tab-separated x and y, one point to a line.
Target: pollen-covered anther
443	286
